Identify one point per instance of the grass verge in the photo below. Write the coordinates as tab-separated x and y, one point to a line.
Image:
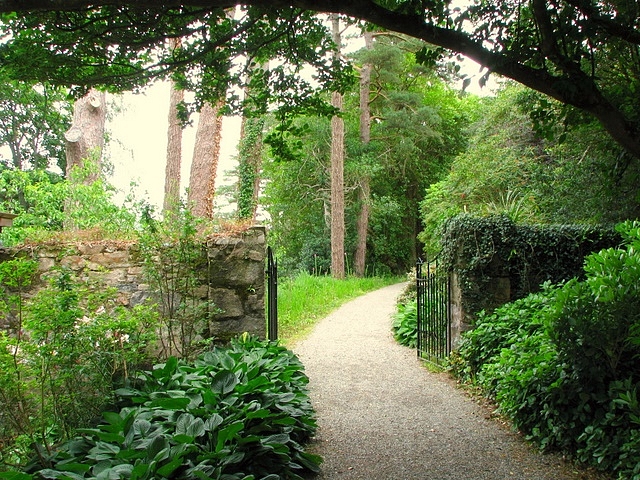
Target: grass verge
305	299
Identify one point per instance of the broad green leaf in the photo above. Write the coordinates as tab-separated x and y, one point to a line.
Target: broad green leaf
261	413
48	473
212	422
73	467
141	427
227	433
169	468
112	418
157	445
103	451
226	361
15	476
140	471
277	439
170	403
209	398
196	428
183	438
224	382
236	457
100	467
183	422
110	437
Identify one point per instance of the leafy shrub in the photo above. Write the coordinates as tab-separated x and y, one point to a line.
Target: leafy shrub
64	349
405	324
564	364
46	204
506	327
174	262
234	413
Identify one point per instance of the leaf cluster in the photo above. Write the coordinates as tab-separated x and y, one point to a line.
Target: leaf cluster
126	47
480	249
61	352
240	412
563	363
405	324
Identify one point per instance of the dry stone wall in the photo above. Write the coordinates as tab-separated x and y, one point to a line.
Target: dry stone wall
233	276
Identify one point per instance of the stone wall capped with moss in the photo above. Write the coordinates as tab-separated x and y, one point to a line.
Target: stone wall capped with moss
231	273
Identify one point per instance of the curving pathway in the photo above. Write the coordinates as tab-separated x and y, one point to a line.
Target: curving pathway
383	416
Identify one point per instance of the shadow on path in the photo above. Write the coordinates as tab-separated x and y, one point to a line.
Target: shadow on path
383	416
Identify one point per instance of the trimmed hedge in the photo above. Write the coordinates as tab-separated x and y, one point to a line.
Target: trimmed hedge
479	249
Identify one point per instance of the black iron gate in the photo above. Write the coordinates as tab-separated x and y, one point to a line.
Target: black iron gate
272	296
434	312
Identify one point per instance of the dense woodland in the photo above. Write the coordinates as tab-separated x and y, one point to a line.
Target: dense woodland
356	159
416	151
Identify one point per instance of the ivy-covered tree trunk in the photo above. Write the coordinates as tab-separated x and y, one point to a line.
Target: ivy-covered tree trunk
85	138
206	154
337	173
174	146
364	190
250	162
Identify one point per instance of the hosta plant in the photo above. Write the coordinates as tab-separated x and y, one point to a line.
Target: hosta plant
240	412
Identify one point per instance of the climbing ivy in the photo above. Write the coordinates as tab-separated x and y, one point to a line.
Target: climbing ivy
250	156
481	249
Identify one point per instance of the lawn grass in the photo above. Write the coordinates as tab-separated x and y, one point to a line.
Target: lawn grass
305	299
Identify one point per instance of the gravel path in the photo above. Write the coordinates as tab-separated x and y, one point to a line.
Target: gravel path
383	416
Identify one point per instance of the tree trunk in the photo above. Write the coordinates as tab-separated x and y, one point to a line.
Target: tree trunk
174	147
206	154
364	192
249	164
85	138
337	173
84	145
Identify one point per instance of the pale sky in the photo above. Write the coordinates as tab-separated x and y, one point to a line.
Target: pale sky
138	144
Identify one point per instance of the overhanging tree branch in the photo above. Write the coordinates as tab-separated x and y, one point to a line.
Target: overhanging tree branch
569	84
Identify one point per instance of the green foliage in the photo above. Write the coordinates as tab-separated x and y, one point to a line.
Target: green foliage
405	324
46	204
90	205
563	364
419	128
481	249
249	163
511	169
240	412
37	196
33	119
65	347
175	262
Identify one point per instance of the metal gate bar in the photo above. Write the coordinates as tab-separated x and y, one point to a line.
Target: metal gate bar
272	296
434	313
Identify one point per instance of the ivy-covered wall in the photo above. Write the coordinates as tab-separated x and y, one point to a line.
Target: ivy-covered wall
231	270
493	261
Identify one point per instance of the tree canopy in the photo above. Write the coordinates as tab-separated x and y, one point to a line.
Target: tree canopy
580	52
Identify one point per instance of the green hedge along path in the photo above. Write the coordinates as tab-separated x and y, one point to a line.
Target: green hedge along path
383	416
